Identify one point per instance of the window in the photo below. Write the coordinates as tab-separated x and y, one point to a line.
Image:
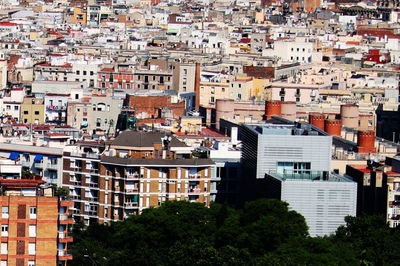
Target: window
84	72
78	72
31	263
36	112
4	230
91	73
8	107
3	248
26	112
4	212
32	248
16	107
32	212
32	230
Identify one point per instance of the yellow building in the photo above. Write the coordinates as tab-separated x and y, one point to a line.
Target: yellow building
32	111
79	16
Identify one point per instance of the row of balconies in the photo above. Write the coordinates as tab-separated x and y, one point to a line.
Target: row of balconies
40	165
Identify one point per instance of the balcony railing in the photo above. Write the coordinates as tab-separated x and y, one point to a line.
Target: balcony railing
64	217
38	165
56	108
194	191
25	164
52	166
194	176
93	184
131	190
63	235
131	204
92	199
132	176
63	253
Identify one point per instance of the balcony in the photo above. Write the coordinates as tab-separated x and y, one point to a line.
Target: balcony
194	176
74	166
132	191
38	165
132	176
51	166
194	191
26	164
91	212
56	108
131	204
94	170
64	255
93	184
92	199
75	197
66	219
64	237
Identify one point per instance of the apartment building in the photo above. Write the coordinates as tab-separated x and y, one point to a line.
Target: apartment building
138	170
153	77
34	224
40	161
32	111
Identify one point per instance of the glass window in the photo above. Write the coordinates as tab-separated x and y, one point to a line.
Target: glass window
4	212
32	248
32	230
32	212
4	230
4	249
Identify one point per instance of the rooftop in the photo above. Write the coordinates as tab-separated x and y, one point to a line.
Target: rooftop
130	138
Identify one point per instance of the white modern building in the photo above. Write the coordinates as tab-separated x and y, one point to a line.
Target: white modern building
323	199
283	148
291	162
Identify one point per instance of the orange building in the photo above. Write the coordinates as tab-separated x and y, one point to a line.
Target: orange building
79	16
34	224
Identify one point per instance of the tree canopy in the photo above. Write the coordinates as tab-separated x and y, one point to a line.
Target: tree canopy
264	232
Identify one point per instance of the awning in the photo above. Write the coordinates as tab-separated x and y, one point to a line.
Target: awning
38	158
52	156
14	155
84	123
135	198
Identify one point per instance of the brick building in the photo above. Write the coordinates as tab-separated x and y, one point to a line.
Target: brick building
146	106
34	224
136	171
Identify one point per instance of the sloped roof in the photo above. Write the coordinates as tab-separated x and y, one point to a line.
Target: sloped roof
130	138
